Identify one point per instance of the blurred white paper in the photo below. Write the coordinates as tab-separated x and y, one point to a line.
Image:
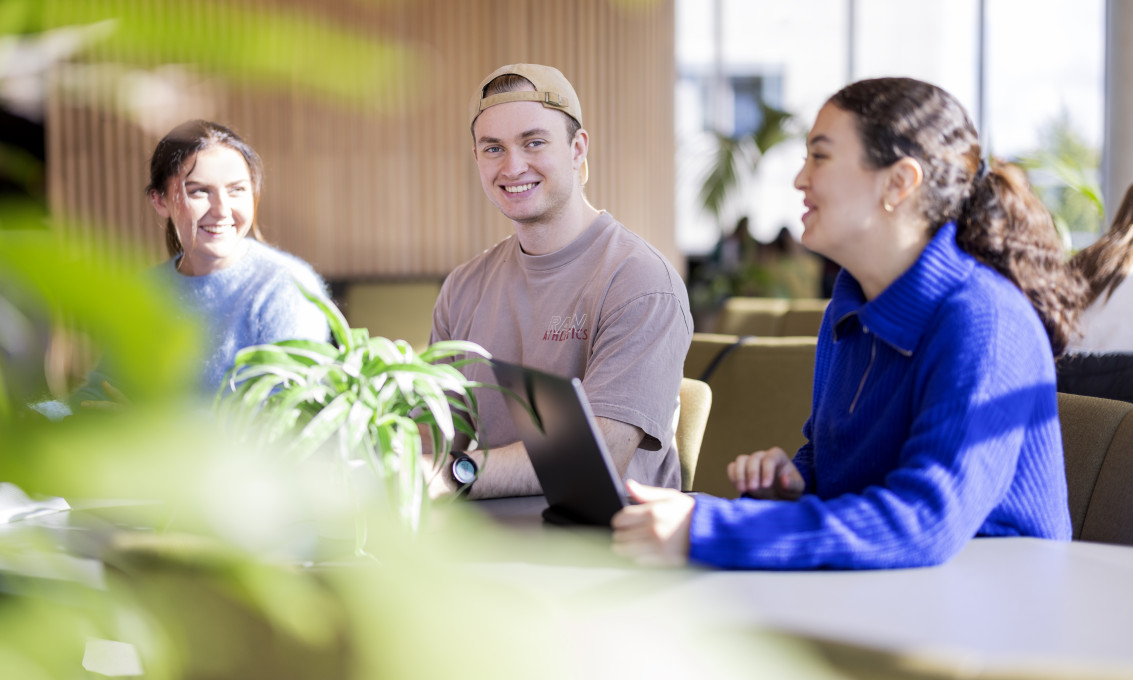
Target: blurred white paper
15	504
113	659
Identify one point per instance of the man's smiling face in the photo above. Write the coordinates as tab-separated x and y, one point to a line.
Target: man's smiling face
528	167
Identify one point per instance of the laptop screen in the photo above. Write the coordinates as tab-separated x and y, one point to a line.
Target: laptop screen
564	444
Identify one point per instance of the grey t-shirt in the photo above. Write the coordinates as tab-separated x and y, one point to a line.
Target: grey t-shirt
608	308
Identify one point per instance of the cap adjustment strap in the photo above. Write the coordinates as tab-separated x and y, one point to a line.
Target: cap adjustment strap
545	98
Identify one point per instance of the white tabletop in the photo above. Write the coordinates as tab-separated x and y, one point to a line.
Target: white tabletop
1001	603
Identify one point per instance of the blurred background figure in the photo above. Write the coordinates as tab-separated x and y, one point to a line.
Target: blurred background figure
1100	362
1107	323
792	271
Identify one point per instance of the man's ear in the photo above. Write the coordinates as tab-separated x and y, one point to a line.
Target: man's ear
579	147
904	177
160	204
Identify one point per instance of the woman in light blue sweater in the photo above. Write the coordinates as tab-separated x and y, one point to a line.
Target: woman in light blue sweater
934	415
205	181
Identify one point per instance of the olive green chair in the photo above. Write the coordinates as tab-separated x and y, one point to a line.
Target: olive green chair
752	316
803	317
393	309
771	317
761	391
1097	441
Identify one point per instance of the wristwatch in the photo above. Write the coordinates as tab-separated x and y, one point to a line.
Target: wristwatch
464	471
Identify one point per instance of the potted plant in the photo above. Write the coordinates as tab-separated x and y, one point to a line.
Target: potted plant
361	401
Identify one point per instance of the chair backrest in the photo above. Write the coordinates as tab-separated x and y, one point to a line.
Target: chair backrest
752	316
696	403
761	394
1109	375
771	317
803	317
393	309
1097	441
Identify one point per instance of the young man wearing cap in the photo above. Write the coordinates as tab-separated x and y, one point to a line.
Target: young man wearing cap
573	292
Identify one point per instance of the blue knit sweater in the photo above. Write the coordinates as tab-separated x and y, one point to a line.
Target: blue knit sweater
252	302
934	419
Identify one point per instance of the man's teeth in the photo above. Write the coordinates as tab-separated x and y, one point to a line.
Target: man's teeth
519	188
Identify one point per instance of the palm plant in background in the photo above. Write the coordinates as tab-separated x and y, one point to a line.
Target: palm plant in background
361	402
733	161
735	156
1064	174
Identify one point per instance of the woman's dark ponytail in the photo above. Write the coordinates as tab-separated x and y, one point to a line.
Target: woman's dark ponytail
1005	225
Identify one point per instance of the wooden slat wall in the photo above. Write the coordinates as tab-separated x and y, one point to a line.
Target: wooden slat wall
389	191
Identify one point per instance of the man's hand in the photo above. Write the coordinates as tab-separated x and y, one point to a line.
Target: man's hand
118	401
767	474
656	531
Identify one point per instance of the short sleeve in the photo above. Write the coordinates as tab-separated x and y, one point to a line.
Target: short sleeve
634	373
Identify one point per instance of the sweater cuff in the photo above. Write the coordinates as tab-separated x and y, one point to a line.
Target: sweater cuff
703	535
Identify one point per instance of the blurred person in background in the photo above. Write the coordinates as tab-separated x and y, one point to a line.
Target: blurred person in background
1100	362
1107	323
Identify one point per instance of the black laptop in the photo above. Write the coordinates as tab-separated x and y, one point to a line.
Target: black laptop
564	443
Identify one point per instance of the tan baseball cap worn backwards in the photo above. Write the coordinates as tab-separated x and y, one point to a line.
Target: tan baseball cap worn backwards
552	90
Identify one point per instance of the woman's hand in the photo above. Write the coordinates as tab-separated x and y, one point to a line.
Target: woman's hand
767	474
656	531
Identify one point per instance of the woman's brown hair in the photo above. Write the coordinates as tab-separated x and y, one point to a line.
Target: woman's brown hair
999	220
1107	262
180	147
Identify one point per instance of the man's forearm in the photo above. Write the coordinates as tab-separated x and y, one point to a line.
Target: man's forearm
508	470
504	471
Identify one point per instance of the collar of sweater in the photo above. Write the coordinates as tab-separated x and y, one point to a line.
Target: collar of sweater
228	277
901	314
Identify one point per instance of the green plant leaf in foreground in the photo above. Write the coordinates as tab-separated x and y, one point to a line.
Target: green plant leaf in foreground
151	348
253	44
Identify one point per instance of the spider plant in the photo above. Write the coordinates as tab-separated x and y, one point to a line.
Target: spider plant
364	401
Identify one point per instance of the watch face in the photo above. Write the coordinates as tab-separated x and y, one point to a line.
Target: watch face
464	471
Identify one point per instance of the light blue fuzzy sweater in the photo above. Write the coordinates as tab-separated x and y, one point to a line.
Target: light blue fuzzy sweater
252	302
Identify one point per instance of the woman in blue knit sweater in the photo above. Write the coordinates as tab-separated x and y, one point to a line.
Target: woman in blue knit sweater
934	416
205	181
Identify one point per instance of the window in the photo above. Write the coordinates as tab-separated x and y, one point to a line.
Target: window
1037	89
